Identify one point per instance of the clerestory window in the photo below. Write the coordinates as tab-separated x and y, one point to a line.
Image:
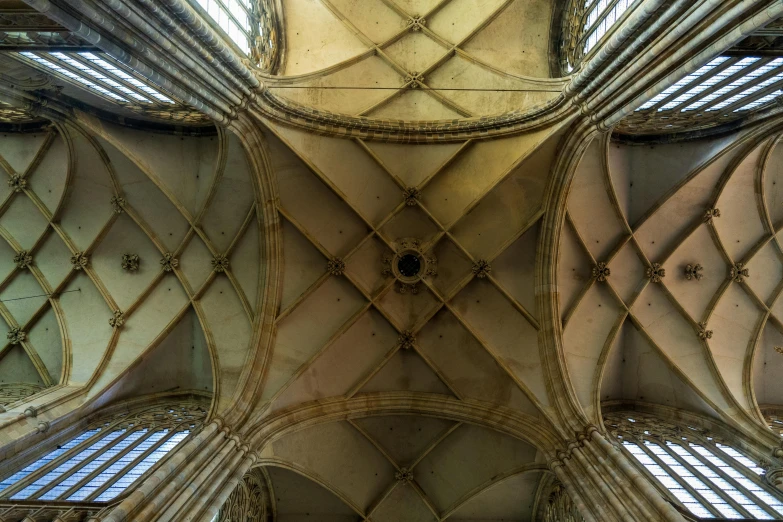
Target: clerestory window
235	18
106	458
729	84
709	478
585	24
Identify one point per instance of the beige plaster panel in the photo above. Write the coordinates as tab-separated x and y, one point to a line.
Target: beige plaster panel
679	343
248	264
504	330
415	52
231	332
767	366
510	500
410	222
407	311
649	172
48	180
492	223
373	18
417	7
636	371
125	237
7	254
371	72
86	318
22	285
45	337
184	169
308	328
585	338
53	259
303	264
734	323
19	150
299	499
82	217
180	361
141	329
161	215
351	357
341	456
412	164
468	458
406	371
468	366
460	17
740	226
497	92
195	262
628	272
524	26
353	172
404	437
403	503
591	206
24	222
663	231
453	266
363	266
16	366
415	105
312	203
515	269
315	37
458	186
773	184
767	271
574	269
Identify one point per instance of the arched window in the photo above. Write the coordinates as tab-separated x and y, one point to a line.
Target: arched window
235	18
106	458
585	22
706	476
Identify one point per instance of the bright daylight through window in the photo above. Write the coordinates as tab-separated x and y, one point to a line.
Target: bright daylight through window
234	18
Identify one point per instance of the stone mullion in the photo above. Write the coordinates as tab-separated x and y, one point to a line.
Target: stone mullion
43	470
737	88
600	18
677	478
730	501
106	485
700	79
86	480
748	494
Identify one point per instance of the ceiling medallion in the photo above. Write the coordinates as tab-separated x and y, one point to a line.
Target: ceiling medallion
404	475
694	272
656	273
416	23
481	268
130	262
738	272
409	265
601	271
17	183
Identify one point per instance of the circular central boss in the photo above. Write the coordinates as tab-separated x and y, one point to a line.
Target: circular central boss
409	265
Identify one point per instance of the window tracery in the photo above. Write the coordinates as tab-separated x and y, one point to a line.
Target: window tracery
107	78
106	458
705	475
246	503
725	89
250	24
584	24
16	391
560	507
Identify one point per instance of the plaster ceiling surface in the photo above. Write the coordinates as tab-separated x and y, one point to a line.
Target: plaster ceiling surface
417	59
193	198
356	331
704	341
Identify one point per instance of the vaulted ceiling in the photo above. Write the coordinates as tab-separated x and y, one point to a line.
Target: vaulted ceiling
343	323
